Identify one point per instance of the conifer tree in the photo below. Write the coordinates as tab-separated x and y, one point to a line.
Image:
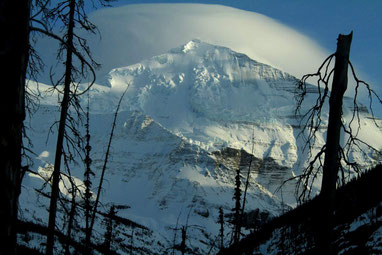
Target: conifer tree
87	182
237	208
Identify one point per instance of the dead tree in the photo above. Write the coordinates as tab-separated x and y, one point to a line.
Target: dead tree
69	13
17	58
336	156
182	246
104	167
332	158
14	56
339	86
61	130
248	175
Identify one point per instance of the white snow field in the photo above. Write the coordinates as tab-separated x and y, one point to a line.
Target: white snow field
169	158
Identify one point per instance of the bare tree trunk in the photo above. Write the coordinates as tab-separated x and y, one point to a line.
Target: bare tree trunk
331	163
247	180
184	238
92	220
61	132
14	54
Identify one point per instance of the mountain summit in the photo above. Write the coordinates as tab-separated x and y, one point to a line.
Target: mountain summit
193	88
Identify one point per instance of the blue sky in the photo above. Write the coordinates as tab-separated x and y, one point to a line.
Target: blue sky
322	21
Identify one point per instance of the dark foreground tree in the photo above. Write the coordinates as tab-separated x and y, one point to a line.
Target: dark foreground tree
69	13
333	158
15	25
14	54
332	148
61	128
236	209
79	64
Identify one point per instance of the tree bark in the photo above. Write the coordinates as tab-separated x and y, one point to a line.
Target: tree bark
14	54
61	131
331	162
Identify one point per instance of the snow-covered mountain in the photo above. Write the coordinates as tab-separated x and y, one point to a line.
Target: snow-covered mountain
188	120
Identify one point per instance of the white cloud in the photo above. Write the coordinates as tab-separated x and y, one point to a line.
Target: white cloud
43	154
132	33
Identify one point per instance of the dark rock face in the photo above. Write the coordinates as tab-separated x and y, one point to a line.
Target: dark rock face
268	171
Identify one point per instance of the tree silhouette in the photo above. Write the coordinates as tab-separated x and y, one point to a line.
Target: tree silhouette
333	158
104	167
237	208
20	20
88	174
337	155
69	13
14	56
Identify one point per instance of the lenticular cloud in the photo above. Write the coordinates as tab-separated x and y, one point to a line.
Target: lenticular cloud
133	33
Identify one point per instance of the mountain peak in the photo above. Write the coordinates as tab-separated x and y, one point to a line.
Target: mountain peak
194	46
191	45
201	48
206	76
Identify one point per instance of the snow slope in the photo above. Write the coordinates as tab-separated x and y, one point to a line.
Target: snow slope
182	124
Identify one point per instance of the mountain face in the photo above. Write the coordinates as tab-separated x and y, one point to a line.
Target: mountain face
189	119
